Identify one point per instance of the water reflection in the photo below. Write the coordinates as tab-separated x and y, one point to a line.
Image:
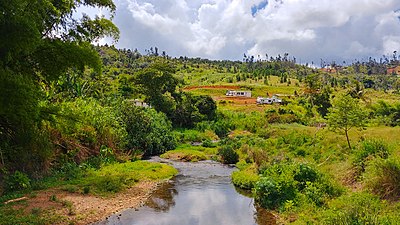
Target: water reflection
201	195
163	198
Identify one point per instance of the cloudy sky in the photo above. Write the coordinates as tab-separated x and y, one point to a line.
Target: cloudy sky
225	29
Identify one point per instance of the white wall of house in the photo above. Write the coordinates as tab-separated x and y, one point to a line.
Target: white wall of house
239	93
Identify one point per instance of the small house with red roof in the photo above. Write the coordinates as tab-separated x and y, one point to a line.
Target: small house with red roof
329	69
393	70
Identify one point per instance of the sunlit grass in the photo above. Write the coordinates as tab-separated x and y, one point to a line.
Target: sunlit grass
186	155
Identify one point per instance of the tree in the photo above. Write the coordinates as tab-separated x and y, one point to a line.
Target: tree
149	131
346	114
158	84
192	109
39	42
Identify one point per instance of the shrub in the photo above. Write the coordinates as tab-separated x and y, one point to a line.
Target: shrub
271	193
208	143
92	124
70	171
70	188
17	181
86	190
111	184
382	177
245	179
358	208
370	149
189	136
258	156
148	130
192	109
228	155
284	182
305	174
222	128
315	193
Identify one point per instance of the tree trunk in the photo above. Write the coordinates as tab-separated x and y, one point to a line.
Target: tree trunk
347	138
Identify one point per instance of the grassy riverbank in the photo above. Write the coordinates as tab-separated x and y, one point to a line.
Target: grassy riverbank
307	175
87	195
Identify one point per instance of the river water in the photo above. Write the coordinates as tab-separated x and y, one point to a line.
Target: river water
201	194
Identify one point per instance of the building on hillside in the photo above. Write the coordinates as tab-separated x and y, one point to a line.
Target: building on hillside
329	69
139	103
238	93
393	70
269	101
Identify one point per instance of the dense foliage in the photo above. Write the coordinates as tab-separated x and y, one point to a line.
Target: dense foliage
40	42
71	111
147	130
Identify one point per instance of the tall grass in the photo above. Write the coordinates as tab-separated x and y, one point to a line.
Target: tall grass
382	177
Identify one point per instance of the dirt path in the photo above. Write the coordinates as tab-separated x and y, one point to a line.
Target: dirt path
78	208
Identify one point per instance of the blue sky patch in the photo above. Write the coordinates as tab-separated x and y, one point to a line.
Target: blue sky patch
260	6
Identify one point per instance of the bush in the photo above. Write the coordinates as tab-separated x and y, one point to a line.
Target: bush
208	143
305	174
222	128
148	131
370	149
382	177
245	179
228	155
70	171
258	156
91	124
284	182
111	184
24	143
185	136
271	194
276	186
17	181
358	208
192	109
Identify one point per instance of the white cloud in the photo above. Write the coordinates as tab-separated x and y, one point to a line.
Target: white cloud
390	44
225	29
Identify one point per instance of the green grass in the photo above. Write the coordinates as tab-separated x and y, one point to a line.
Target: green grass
117	177
106	181
211	92
11	216
245	179
186	135
375	96
185	155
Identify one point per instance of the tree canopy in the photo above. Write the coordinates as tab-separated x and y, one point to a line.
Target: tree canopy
346	114
39	42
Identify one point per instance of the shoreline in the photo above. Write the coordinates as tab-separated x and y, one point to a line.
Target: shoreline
79	209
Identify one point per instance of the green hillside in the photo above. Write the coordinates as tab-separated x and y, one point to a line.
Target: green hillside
329	153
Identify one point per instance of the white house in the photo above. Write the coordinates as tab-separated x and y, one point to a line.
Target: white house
140	103
238	93
269	101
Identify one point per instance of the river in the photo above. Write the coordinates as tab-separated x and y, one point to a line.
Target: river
201	194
